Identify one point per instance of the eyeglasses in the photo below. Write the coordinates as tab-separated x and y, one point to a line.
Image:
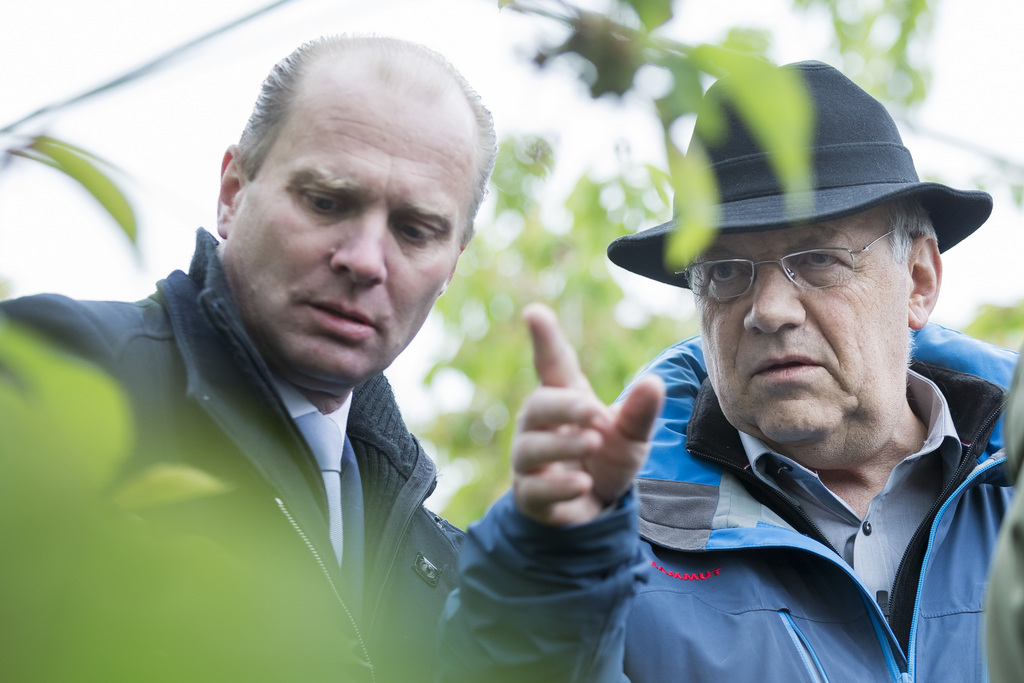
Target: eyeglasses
812	269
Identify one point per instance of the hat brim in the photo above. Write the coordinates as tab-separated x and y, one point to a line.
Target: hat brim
954	213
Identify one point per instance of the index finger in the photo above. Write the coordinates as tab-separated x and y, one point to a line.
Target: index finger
553	355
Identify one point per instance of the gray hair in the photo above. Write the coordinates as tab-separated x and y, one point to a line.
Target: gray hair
909	219
394	59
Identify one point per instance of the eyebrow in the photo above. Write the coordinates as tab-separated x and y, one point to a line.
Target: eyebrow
311	177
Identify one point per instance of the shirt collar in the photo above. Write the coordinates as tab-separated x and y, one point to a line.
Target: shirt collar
298	405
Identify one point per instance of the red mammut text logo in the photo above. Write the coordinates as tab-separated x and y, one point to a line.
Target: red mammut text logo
686	577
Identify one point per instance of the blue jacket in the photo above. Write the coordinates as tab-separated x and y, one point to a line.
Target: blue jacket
720	579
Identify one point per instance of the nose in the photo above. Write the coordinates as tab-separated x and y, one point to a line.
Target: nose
775	301
361	250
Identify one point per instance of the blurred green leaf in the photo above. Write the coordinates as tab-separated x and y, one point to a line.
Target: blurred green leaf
686	93
615	51
166	483
695	209
652	13
774	105
82	167
999	325
95	593
41	410
892	65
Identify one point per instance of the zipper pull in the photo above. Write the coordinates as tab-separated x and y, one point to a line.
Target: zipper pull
882	598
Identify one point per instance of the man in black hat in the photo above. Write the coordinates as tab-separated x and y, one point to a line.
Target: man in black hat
833	510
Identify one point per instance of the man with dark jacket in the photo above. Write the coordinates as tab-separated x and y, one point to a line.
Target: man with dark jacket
826	505
342	213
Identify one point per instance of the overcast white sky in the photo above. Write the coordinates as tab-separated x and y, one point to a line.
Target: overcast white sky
168	131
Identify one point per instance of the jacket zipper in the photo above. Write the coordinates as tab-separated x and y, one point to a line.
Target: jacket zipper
803	647
812	530
391	563
902	612
912	636
327	575
896	607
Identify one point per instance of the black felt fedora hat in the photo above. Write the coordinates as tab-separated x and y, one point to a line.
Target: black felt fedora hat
859	162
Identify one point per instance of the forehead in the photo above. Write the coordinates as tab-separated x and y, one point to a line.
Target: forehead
351	119
851	232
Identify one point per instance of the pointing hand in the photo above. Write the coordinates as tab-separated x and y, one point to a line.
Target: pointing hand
572	456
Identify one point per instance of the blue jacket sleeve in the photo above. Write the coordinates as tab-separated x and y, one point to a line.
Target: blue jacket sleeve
537	603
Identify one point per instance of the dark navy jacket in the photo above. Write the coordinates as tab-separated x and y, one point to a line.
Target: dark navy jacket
201	395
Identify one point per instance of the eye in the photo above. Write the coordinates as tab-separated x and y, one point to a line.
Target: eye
412	232
419	230
819	259
323	204
723	271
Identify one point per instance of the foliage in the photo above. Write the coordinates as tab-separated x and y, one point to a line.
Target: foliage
518	258
92	172
92	592
609	50
877	41
1000	325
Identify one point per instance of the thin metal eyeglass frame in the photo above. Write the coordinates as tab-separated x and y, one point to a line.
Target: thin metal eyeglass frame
788	273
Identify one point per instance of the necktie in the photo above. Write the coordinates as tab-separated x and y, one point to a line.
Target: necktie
337	463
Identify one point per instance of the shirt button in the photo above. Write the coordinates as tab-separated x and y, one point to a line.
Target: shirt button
866	528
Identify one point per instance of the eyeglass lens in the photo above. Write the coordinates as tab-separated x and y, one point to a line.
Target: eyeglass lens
813	269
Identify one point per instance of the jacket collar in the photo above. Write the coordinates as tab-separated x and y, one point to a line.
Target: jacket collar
226	376
724	494
226	372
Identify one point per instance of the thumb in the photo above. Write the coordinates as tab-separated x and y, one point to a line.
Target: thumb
553	355
640	408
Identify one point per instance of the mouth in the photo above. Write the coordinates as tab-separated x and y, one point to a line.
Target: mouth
344	321
781	365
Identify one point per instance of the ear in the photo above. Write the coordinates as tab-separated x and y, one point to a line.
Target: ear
231	181
451	275
925	266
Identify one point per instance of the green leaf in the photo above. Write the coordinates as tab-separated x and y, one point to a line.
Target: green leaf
165	483
774	105
43	414
686	93
78	164
652	13
696	208
614	51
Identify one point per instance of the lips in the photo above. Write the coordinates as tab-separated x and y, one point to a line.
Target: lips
343	321
781	364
